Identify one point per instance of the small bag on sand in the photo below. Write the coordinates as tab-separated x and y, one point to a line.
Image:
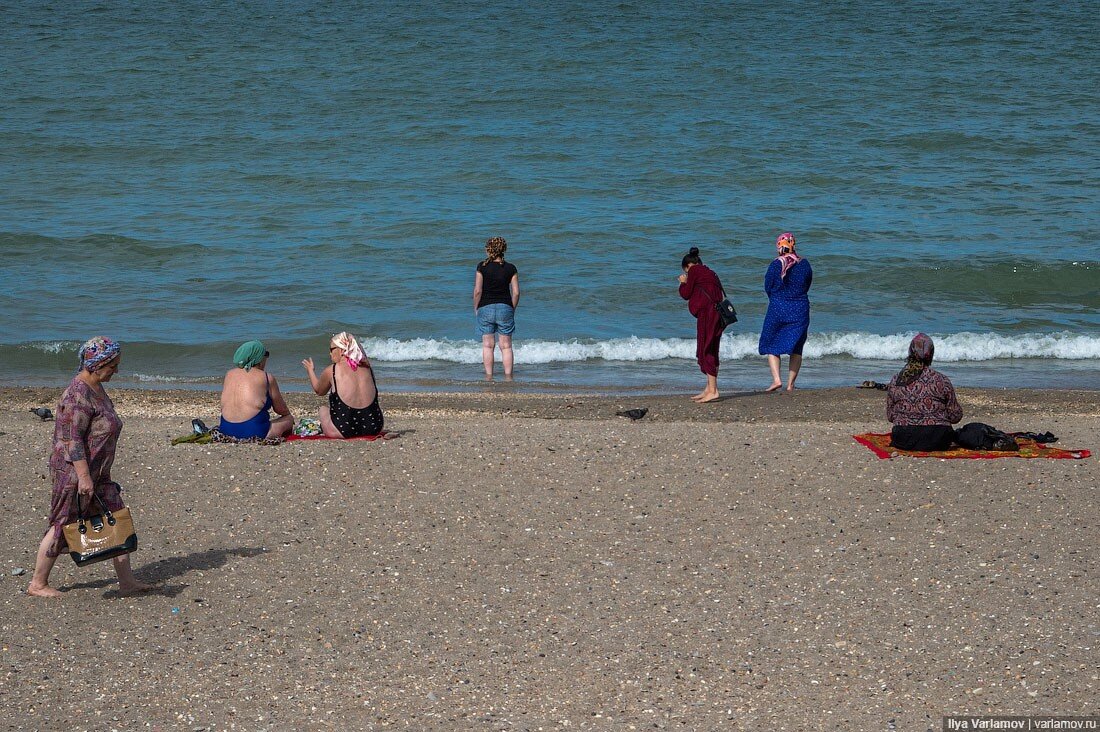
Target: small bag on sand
104	536
979	436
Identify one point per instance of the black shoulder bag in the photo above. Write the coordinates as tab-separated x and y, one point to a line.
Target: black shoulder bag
727	313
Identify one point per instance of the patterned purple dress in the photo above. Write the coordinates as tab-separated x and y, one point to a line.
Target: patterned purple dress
87	428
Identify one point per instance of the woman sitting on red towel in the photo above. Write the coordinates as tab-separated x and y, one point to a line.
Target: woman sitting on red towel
921	402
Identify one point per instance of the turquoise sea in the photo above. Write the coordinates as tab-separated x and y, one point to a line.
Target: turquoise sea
187	176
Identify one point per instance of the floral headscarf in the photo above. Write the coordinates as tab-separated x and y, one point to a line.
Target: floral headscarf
350	348
921	350
98	351
786	239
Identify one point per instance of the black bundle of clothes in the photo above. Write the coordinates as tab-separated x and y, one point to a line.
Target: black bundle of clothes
973	436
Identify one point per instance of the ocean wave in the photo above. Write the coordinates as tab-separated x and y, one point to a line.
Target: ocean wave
952	347
956	347
157	379
52	347
1005	283
110	249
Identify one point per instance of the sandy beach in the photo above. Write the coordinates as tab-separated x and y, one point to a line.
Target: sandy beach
527	562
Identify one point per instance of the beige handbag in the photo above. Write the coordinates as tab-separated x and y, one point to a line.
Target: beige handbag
104	536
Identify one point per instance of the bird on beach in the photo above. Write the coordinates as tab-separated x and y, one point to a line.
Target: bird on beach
633	414
43	412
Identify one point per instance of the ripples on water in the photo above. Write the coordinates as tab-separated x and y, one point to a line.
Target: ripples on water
197	176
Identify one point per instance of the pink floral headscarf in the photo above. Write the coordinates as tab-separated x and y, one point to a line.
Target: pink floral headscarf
786	239
350	348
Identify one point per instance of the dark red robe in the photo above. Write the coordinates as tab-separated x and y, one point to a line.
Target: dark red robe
702	291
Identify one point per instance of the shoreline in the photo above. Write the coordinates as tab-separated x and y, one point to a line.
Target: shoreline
651	378
803	405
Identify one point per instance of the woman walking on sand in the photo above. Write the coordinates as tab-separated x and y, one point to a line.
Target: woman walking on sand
85	438
787	283
496	297
700	286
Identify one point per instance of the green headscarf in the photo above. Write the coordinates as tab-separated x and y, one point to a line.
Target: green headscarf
249	354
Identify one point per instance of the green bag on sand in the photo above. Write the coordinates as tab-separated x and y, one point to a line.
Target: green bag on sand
307	427
194	437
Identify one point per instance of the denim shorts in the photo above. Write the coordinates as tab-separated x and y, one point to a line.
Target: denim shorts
496	318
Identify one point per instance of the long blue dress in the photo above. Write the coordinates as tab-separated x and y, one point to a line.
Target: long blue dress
788	318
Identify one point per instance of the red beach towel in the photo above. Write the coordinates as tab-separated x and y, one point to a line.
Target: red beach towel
880	445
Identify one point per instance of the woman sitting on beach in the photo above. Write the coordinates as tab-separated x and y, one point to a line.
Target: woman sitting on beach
921	402
352	409
787	322
248	392
85	438
496	297
700	286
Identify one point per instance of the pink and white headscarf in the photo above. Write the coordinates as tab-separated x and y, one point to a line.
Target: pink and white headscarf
786	239
350	348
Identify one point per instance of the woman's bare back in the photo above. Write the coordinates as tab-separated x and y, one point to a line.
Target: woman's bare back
356	388
244	394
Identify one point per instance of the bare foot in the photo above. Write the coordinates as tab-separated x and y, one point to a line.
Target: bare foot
135	588
708	397
790	388
43	591
774	386
507	377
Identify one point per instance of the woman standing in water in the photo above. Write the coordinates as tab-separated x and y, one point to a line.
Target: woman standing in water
496	297
703	291
787	283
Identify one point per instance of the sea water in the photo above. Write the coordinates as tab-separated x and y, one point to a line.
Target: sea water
190	176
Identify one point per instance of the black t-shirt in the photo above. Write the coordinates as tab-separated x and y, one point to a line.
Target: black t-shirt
495	279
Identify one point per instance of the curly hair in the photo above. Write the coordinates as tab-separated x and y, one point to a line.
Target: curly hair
494	248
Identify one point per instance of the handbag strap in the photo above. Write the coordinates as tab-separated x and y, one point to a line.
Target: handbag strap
721	291
95	496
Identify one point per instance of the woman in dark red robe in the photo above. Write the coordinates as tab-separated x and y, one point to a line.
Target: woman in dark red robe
703	291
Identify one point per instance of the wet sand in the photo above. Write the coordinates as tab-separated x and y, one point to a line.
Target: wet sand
525	562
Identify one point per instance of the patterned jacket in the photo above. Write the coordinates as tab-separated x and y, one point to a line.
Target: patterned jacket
927	400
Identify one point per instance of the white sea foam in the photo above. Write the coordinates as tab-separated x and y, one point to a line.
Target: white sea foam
54	347
951	347
157	379
861	346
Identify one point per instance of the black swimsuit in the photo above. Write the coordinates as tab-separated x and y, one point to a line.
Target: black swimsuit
354	422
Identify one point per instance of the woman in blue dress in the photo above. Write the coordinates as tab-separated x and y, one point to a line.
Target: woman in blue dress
788	319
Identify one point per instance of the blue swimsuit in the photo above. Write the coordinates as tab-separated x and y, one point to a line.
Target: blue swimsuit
257	426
